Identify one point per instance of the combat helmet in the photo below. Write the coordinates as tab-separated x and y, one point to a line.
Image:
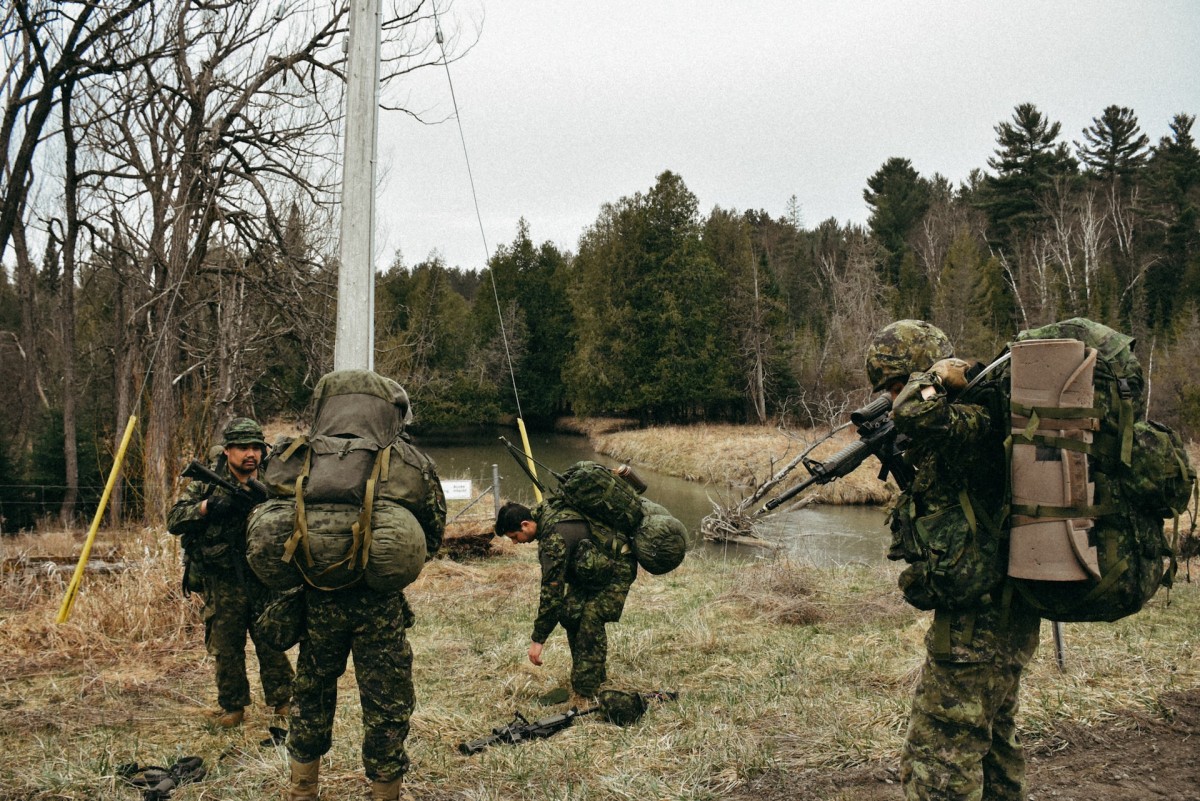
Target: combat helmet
244	431
903	348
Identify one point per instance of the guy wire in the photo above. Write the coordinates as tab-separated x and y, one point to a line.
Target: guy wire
437	27
487	253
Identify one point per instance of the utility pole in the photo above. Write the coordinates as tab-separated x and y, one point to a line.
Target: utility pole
354	340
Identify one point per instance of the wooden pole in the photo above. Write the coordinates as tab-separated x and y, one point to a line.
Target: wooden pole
354	345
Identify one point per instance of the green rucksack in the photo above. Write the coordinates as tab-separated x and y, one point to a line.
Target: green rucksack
1140	473
354	499
627	522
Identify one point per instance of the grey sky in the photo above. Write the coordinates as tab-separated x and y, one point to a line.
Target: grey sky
568	105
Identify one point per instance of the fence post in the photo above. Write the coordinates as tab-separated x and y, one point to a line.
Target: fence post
496	489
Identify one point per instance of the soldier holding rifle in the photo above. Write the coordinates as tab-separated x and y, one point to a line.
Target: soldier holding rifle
210	518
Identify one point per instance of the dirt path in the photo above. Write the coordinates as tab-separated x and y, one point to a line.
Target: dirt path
1137	757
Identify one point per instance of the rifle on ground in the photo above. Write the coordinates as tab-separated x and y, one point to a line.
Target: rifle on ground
877	437
616	707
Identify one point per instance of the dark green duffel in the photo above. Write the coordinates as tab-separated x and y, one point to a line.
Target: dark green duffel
327	553
660	542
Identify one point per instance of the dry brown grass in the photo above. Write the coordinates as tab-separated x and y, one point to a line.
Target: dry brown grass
780	667
741	456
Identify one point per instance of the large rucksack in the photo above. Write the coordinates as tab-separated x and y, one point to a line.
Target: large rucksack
353	499
1091	479
627	522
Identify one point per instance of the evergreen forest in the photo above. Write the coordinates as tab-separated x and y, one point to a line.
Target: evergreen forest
178	262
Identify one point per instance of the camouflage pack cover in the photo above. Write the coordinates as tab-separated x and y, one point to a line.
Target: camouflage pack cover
395	553
598	492
1141	473
627	520
660	542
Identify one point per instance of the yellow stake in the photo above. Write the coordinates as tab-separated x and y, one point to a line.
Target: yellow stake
65	610
537	493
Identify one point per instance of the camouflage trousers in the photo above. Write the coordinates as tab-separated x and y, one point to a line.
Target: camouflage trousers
962	734
585	616
230	608
370	626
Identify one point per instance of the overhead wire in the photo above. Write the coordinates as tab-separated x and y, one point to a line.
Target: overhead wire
440	38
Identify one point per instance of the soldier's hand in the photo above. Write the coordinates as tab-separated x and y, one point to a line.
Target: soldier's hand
535	653
952	372
219	507
222	507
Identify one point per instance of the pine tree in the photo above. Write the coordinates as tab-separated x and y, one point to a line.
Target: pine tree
1114	146
1028	159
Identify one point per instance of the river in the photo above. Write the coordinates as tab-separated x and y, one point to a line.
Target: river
819	534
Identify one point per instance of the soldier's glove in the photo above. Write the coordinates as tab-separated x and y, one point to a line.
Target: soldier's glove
222	507
952	373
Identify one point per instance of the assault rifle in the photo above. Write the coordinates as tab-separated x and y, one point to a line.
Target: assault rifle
254	493
877	437
521	729
246	498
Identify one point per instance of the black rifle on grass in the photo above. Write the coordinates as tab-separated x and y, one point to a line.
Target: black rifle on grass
616	707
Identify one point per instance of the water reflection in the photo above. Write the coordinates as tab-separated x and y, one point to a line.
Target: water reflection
821	535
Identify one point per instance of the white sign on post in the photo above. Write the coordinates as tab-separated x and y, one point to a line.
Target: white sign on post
458	489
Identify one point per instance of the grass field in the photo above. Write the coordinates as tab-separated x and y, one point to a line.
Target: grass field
781	670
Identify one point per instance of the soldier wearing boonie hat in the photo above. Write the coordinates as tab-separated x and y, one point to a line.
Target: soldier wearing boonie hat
212	525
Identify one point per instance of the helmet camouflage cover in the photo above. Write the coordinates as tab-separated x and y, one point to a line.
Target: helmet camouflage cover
903	348
244	431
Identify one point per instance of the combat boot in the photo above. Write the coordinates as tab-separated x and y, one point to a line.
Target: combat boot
386	791
303	786
581	701
283	710
228	718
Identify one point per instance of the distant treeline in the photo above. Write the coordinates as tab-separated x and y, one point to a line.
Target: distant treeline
664	313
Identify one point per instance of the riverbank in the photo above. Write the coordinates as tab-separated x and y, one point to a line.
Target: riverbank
739	456
794	685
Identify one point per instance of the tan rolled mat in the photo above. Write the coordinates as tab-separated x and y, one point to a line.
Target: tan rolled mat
1052	423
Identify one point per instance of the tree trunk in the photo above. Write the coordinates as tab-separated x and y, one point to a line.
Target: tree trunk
66	512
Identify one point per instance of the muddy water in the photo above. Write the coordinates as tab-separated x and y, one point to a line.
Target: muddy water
821	535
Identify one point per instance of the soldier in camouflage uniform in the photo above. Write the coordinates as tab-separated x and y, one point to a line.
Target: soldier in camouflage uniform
370	625
962	739
212	524
584	585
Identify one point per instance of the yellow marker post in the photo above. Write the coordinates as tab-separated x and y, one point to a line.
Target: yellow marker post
537	493
65	610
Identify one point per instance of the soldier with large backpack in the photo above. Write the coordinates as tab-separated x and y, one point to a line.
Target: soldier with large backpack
356	510
1039	492
584	583
962	739
211	521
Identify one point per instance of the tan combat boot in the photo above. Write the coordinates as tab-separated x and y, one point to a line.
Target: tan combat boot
228	718
386	791
303	785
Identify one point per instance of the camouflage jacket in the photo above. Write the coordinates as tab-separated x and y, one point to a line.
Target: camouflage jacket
576	568
220	545
951	525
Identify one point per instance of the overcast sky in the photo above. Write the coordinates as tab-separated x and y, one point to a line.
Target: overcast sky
567	105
